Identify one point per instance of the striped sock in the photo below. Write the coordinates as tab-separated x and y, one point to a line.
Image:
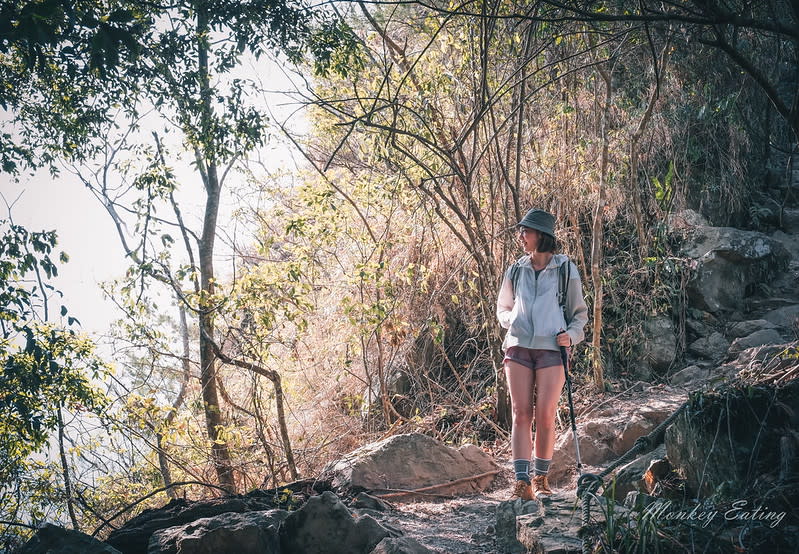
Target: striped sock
541	466
522	469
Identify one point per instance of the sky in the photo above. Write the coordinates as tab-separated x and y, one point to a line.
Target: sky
86	232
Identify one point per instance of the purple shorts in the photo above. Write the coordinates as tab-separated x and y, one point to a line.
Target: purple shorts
534	359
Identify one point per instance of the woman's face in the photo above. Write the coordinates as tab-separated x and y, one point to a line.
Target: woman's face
529	238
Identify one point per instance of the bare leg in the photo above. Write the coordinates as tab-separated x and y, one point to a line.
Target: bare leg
549	381
521	381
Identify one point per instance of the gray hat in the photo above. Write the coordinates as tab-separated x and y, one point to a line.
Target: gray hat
540	221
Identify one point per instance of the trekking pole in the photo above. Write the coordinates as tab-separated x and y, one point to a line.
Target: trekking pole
564	356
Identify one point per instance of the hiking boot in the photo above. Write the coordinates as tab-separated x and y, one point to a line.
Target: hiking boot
541	487
523	490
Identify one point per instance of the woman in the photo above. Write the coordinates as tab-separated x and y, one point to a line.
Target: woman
528	307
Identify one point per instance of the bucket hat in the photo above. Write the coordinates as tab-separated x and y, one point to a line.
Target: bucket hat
540	221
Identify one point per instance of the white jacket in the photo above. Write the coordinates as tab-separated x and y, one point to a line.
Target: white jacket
534	317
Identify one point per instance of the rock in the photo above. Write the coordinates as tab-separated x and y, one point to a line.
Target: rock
507	512
242	533
657	471
555	529
686	219
413	461
689	375
594	437
636	426
637	501
52	539
659	344
713	347
698	328
758	338
790	220
134	536
323	525
631	477
744	328
606	435
400	545
756	354
786	317
722	436
728	261
365	501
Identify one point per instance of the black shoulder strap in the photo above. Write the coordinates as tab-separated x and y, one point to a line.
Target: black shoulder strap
514	277
564	274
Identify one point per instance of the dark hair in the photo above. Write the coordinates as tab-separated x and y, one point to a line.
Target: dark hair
547	243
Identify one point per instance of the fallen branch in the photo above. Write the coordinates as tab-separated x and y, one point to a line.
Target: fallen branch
392	493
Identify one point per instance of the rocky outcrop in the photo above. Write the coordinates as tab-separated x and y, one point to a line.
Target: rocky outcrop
609	432
51	539
729	438
323	525
134	536
242	533
550	526
413	461
728	263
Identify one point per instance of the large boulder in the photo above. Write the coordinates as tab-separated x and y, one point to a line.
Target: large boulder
690	375
742	329
786	317
324	525
659	345
724	439
134	536
413	461
758	338
610	432
51	539
237	533
713	348
728	261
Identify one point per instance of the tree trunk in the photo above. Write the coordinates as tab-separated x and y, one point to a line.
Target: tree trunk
65	472
635	189
213	416
597	237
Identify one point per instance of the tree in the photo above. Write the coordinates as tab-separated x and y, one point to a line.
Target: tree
182	75
47	367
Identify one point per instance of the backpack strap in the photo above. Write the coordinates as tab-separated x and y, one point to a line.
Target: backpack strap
514	277
564	274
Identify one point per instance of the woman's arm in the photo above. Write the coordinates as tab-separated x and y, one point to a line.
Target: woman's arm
576	308
505	302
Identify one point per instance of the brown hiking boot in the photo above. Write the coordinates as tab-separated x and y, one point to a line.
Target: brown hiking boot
523	490
541	486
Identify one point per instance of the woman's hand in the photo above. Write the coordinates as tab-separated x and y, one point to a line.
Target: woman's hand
563	339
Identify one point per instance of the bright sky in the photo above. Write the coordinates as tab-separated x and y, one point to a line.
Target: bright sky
86	232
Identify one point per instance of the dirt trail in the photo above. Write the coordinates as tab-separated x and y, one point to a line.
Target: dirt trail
459	526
